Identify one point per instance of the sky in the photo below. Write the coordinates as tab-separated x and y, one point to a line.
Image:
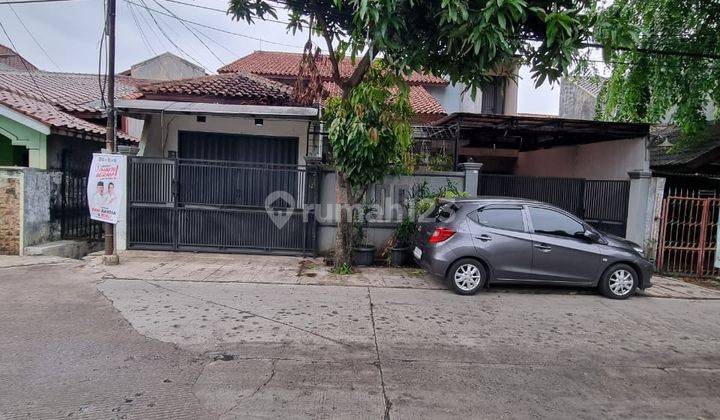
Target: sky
66	37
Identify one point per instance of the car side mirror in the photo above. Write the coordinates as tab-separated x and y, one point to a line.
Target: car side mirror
589	235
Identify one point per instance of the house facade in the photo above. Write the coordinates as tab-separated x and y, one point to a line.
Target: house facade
432	97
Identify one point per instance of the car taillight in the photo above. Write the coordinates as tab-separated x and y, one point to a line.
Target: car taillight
441	234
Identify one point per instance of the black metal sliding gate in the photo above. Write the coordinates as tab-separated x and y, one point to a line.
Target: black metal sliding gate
603	204
70	208
221	206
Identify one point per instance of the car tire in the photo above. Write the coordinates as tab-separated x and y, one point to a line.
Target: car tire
467	276
619	282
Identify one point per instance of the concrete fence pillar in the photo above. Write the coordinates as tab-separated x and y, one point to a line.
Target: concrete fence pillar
472	172
640	182
653	216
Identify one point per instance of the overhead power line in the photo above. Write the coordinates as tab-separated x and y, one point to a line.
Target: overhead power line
177	47
141	32
33	37
191	32
225	11
212	27
24	63
671	53
32	1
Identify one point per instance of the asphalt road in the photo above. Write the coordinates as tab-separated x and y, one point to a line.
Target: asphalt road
73	347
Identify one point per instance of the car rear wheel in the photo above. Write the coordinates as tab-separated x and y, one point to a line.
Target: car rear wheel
467	276
619	282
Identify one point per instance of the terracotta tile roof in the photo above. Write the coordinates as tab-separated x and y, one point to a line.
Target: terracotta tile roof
422	101
9	59
72	92
284	64
239	87
52	116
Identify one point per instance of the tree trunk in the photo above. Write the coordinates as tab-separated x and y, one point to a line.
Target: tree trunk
343	233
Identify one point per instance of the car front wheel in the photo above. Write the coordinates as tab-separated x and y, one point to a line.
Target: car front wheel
467	276
619	282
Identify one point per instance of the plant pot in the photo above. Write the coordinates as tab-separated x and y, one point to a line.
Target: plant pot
364	255
398	256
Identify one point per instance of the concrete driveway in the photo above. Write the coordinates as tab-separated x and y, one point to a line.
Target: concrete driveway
384	344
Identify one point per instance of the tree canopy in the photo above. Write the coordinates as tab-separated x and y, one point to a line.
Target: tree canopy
458	39
663	69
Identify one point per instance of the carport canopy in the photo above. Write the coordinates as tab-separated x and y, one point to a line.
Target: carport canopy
524	132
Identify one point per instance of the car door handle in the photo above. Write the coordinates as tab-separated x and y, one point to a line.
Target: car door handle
484	238
543	247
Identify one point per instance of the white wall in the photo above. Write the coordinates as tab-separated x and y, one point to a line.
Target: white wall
166	67
609	160
134	127
452	98
157	141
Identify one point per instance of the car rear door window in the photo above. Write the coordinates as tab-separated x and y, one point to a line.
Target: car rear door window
509	218
551	222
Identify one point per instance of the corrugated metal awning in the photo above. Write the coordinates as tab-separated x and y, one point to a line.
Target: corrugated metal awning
139	107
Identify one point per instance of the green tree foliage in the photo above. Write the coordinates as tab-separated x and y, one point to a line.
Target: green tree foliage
370	130
649	82
460	39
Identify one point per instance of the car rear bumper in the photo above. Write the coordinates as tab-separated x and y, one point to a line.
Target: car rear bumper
431	263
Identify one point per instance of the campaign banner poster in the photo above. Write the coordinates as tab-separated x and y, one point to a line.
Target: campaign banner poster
105	187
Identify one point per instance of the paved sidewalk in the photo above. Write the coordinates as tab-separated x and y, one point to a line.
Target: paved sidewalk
261	269
666	287
242	268
11	261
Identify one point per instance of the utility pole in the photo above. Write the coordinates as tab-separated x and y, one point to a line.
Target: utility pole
110	255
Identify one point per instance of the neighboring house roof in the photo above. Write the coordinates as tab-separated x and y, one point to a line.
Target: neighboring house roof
663	155
50	115
241	87
60	99
9	59
283	66
422	101
72	92
286	65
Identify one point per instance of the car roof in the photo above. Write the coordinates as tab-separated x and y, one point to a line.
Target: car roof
494	199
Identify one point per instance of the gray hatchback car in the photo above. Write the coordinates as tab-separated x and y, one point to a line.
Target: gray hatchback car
476	242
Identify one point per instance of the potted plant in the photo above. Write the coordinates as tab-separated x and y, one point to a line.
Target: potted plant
402	235
363	252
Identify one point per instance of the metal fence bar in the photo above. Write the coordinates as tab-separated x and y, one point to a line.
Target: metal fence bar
602	203
688	235
73	213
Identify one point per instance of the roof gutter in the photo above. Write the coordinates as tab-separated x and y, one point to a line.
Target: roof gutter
145	107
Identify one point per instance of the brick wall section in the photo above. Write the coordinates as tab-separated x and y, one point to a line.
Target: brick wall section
10	207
